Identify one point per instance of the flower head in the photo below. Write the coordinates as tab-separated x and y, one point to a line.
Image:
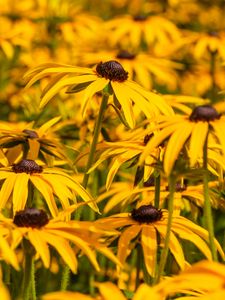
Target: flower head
145	223
191	130
110	75
34	225
50	182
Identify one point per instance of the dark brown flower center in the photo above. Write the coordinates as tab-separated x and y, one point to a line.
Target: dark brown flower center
123	54
204	113
112	70
27	166
31	133
178	187
146	214
31	217
141	17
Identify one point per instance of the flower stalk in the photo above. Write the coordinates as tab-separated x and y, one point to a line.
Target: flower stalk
207	205
97	130
164	254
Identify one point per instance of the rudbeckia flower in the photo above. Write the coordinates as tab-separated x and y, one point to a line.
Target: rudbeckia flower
49	182
145	68
126	152
154	30
110	74
211	42
146	222
204	120
34	143
34	225
106	290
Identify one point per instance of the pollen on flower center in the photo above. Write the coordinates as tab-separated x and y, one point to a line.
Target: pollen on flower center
27	166
112	70
125	55
30	217
204	113
31	133
146	214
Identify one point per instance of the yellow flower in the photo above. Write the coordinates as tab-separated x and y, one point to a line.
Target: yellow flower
15	138
106	290
130	31
212	42
145	68
33	224
109	74
49	182
204	280
179	129
147	222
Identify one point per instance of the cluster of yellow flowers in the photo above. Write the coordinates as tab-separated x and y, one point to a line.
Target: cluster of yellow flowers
112	149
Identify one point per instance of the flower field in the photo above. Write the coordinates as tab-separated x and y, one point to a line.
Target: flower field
112	150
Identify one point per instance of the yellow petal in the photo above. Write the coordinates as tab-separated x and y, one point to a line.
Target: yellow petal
7	189
175	144
126	104
20	191
109	290
40	246
197	141
149	246
66	296
94	87
7	253
63	248
46	190
79	243
174	246
125	240
64	83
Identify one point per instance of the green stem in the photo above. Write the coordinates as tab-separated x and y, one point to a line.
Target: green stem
157	190
97	130
27	274
33	283
207	205
213	75
65	278
165	250
138	266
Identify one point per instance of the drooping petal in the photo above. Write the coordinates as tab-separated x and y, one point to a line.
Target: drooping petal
197	141
175	144
7	253
20	191
6	189
94	87
149	246
174	246
63	247
40	246
81	244
46	190
124	99
109	290
125	240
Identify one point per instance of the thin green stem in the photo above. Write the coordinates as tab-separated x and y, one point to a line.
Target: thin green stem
65	278
26	285
213	75
33	282
138	266
157	190
165	250
207	205
97	130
